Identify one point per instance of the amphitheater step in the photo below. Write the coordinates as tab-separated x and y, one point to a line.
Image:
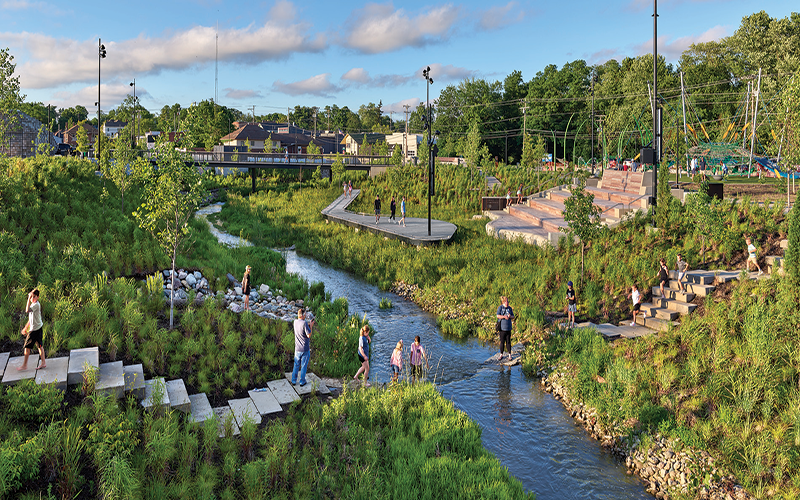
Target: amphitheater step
784	244
134	381
111	379
655	311
537	217
178	396
283	391
265	401
150	386
12	376
79	360
244	409
774	260
226	421
553	208
200	408
661	325
699	277
675	305
693	289
55	373
673	294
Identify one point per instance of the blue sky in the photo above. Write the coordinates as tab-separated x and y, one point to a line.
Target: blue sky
278	54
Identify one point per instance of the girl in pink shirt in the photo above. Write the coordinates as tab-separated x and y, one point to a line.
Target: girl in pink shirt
397	361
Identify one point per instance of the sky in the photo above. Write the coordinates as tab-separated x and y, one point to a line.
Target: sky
279	54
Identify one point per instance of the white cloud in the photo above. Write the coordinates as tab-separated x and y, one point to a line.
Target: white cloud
500	16
357	75
448	72
319	85
231	93
276	39
380	28
111	95
641	5
41	7
397	107
672	49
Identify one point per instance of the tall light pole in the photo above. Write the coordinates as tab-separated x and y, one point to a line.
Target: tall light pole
428	81
101	54
135	135
592	122
656	128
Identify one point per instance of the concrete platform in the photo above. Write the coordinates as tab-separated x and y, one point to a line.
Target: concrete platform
200	408
111	379
178	396
3	362
148	402
134	380
55	373
655	311
77	359
244	409
311	379
632	332
283	391
265	401
414	233
224	418
13	377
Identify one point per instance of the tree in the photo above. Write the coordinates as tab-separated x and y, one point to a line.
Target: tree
82	137
10	97
475	152
397	155
582	216
337	169
705	214
793	251
126	168
171	195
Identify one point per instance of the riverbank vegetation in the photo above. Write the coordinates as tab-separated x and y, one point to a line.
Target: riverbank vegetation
63	232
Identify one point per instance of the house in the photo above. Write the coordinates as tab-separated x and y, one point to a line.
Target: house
71	134
251	136
362	143
112	127
24	138
398	138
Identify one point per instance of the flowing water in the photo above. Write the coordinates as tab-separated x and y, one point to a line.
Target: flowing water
526	428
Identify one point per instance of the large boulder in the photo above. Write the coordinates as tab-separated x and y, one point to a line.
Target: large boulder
263	289
232	280
191	280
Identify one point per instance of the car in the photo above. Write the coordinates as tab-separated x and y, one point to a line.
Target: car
63	149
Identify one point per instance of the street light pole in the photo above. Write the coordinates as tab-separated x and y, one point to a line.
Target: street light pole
101	53
428	81
135	135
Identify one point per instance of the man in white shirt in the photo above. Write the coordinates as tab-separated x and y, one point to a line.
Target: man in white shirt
33	330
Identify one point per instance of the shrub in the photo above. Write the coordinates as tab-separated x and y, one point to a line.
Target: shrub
32	402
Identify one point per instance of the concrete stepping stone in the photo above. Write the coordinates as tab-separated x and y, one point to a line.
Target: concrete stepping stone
3	362
223	413
309	387
55	373
178	396
265	401
149	386
134	380
243	409
111	379
283	391
77	359
12	376
200	408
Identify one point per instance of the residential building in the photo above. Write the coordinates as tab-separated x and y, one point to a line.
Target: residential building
24	138
71	134
362	143
111	128
250	136
398	139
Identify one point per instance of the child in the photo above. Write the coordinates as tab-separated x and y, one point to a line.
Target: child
33	331
397	361
572	304
246	287
637	306
519	195
662	275
681	266
508	198
751	257
403	212
417	356
363	355
349	189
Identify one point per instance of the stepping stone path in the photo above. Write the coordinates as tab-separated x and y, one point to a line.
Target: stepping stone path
118	380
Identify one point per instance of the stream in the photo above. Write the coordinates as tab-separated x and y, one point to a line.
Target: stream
527	429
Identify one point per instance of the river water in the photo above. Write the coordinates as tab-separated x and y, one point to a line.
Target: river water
526	428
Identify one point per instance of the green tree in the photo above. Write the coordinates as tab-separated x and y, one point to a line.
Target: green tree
337	169
582	216
474	151
126	168
704	213
397	155
793	251
10	97
82	137
171	195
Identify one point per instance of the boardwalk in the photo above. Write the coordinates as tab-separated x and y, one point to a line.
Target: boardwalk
414	233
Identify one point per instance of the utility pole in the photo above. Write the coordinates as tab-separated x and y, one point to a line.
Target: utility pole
315	121
592	123
755	124
685	134
405	136
746	113
253	112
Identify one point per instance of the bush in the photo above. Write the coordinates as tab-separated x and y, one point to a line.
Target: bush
31	402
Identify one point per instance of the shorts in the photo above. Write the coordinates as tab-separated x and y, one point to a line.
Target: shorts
361	358
377	212
573	308
681	275
396	369
416	371
637	307
33	338
752	259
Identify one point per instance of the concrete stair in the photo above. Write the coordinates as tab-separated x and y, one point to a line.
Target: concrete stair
150	388
134	380
110	379
656	311
775	264
658	324
178	396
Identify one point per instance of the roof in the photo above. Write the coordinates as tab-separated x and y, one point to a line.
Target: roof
249	132
372	138
115	123
88	126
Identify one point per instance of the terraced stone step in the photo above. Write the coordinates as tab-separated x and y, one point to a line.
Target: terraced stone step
55	373
554	208
265	401
110	379
609	208
200	408
661	325
178	396
654	311
673	293
537	217
225	418
149	388
244	409
134	380
79	360
12	376
675	305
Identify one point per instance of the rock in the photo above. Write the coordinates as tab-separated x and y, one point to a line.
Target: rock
191	280
176	283
232	280
185	284
263	289
197	275
235	307
182	274
254	295
238	290
167	272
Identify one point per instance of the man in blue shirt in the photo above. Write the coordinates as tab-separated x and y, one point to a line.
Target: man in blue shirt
302	347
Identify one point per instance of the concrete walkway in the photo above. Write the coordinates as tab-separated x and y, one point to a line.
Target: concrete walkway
415	232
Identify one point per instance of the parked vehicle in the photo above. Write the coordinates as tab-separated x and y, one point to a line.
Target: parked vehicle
63	149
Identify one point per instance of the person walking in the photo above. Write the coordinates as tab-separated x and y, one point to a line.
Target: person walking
637	305
246	288
508	198
302	347
344	190
418	355
681	267
396	361
350	188
403	212
505	315
363	355
392	208
33	330
662	275
751	257
519	195
572	304
377	208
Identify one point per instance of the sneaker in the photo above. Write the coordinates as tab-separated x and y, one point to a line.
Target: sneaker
633	323
302	384
760	273
367	385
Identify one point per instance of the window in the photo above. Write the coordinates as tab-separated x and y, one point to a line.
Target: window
252	143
